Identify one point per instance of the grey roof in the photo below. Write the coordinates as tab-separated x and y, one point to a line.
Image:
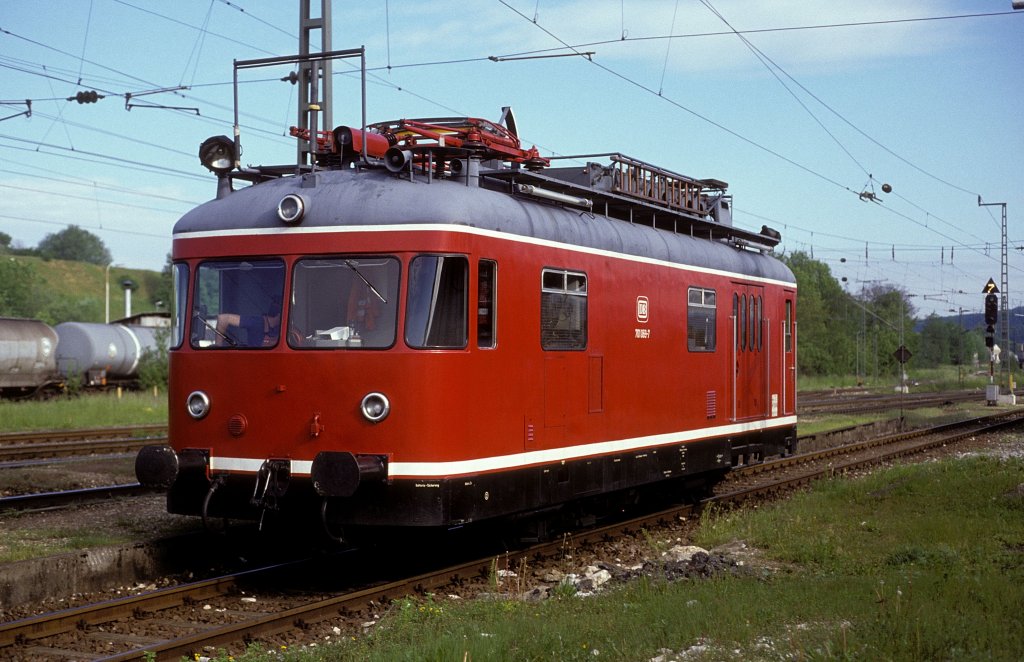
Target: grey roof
374	196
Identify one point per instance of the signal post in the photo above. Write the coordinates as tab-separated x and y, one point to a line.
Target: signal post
991	318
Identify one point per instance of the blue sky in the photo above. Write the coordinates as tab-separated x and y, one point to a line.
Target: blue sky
931	107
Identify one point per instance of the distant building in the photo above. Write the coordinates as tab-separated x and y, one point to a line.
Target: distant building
154	320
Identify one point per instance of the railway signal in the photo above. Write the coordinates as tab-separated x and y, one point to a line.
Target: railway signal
991	311
991	317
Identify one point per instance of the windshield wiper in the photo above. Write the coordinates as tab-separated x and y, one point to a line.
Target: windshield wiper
351	264
231	341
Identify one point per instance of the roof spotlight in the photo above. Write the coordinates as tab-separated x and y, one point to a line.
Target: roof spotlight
217	154
292	208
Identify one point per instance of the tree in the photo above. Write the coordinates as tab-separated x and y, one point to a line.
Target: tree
825	335
161	287
5	242
153	363
885	304
74	243
940	342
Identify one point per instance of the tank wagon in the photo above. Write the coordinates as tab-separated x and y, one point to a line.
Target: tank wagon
431	326
102	354
37	358
27	356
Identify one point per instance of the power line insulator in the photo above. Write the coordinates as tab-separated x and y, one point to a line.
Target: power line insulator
86	96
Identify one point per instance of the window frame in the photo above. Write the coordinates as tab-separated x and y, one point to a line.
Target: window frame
199	323
787	327
411	298
180	272
711	325
487	307
550	287
299	341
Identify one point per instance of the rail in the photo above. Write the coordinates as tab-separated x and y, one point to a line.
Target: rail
64	498
22	446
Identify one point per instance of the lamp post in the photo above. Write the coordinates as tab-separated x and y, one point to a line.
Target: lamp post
128	284
106	282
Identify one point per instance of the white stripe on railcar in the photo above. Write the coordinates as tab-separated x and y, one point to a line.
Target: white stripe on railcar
520	460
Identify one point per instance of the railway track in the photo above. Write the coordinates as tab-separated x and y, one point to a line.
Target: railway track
64	498
193	618
862	403
25	446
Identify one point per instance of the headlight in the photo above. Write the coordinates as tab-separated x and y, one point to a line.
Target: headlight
198	404
292	208
375	407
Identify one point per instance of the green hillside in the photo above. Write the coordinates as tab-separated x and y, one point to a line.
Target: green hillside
60	291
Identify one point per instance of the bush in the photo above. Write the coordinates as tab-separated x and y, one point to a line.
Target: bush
153	364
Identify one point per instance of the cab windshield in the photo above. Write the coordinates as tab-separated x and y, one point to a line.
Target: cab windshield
237	304
344	302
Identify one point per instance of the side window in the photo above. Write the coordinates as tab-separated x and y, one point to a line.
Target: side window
787	324
760	320
436	311
752	318
486	294
179	310
735	322
700	320
742	323
563	310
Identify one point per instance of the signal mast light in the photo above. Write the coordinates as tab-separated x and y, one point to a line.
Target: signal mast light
991	309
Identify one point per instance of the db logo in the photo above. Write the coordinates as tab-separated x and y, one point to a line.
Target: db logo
642	312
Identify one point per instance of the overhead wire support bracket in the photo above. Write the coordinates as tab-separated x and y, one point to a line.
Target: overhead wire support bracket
511	58
27	112
128	96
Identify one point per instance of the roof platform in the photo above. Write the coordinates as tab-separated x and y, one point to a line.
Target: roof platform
636	192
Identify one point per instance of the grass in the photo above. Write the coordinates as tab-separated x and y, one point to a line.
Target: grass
21	544
917	562
918	417
80	287
86	411
942	378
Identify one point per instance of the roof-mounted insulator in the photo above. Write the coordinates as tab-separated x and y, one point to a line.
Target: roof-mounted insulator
554	196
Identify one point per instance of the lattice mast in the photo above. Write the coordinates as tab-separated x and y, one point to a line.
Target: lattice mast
314	77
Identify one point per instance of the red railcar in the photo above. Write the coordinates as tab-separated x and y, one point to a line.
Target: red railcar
438	329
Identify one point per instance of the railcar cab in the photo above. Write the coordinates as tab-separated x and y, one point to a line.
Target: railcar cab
336	301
